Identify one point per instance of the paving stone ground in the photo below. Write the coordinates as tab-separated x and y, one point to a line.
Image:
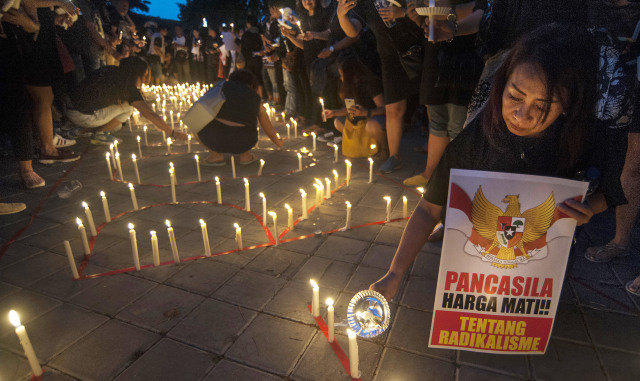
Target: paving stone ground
243	315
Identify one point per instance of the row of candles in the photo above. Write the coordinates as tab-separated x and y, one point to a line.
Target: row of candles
354	361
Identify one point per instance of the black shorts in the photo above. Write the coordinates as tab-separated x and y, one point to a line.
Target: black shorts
396	85
228	139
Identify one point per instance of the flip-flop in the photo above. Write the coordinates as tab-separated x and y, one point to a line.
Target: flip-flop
253	159
213	163
630	290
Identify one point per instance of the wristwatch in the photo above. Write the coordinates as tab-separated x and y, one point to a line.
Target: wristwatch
331	48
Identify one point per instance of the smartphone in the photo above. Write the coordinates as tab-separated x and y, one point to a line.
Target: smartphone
349	102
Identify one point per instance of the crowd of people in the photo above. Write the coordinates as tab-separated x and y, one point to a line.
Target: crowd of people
542	87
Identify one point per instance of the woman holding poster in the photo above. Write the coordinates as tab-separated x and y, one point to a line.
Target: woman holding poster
536	122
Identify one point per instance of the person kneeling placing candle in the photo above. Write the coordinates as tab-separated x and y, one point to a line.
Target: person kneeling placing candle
234	129
106	99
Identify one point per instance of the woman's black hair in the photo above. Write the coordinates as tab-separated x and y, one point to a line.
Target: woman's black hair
132	68
354	74
246	77
566	59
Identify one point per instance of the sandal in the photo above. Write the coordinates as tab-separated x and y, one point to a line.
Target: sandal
602	254
253	159
213	163
631	290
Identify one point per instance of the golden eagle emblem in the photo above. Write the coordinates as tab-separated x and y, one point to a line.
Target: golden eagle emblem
511	230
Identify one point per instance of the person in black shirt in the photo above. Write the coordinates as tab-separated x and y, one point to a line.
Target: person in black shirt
106	98
251	48
212	51
536	122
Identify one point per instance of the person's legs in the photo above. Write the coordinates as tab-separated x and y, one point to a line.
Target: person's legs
42	97
394	112
291	100
375	129
338	123
626	214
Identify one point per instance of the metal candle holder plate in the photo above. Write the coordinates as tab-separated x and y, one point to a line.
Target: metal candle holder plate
368	314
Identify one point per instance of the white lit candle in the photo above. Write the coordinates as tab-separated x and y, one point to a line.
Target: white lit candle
172	241
261	166
330	320
335	153
404	207
370	170
113	156
303	194
299	162
21	331
315	301
327	189
295	128
205	238
233	167
324	117
335	178
72	261
134	247
353	354
318	194
275	226
134	200
238	236
105	206
135	167
264	208
119	165
83	236
282	116
247	199
289	216
115	145
313	135
108	157
154	248
421	190
388	216
171	117
189	143
169	142
146	141
198	167
288	131
92	225
172	178
218	190
139	146
347	226
348	163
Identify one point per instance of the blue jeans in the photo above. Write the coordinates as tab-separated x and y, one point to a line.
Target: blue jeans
291	103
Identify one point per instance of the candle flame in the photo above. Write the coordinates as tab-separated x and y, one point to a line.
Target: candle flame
202	222
329	302
111	146
261	195
130	186
171	171
152	232
313	283
217	179
387	198
169	141
171	164
236	225
196	157
335	172
351	334
299	156
348	204
348	163
130	225
189	136
261	161
313	134
108	155
138	138
272	214
421	190
404	198
287	206
84	204
144	128
373	146
303	192
370	161
14	318
168	223
78	221
102	193
246	181
117	155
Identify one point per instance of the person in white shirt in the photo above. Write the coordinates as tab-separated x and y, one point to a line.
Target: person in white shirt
181	57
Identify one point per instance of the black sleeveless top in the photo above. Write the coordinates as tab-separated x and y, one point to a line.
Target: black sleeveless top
242	104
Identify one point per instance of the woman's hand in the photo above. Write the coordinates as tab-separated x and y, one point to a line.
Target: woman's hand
20	18
329	113
357	110
68	7
412	14
325	53
344	6
308	36
391	13
577	210
180	135
279	142
387	285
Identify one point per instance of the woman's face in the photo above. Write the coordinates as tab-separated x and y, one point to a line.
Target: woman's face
524	100
145	79
309	5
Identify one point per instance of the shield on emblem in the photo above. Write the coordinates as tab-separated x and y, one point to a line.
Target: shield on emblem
509	230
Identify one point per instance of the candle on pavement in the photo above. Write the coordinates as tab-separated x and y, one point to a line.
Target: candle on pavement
154	248
146	141
324	117
353	355
21	332
119	165
135	167
238	235
92	225
134	200
347	226
198	167
330	320
404	207
83	236
315	300
288	131
72	261
335	178
314	136
134	247
169	142
264	208
189	143
139	147
105	206
388	215
218	190
335	153
303	194
299	162
370	170
289	216
247	200
233	167
108	156
275	226
327	189
261	166
172	177
172	241
348	163
205	238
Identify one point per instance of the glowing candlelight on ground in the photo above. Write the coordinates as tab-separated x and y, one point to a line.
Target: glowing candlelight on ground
171	117
115	145
282	116
318	194
299	26
205	238
169	142
146	141
330	320
113	156
388	216
303	194
288	131
347	225
335	153
139	148
72	261
154	248
264	208
134	247
92	225
353	354
172	241
324	117
105	206
135	167
218	190
172	178
164	136
198	166
370	170
238	236
295	128
261	167
21	332
348	163
119	165
83	236
404	207
335	178
189	143
134	200
327	188
299	162
275	226
313	135
233	167
315	301
289	216
247	200
108	157
421	190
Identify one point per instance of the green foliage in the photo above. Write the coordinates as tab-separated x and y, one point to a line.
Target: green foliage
142	5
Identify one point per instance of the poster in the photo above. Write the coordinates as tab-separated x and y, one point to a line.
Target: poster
504	256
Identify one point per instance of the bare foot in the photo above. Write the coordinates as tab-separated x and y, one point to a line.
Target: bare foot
31	180
387	285
634	286
215	157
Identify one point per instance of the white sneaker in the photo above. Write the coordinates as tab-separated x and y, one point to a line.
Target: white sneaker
337	140
328	137
61	142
